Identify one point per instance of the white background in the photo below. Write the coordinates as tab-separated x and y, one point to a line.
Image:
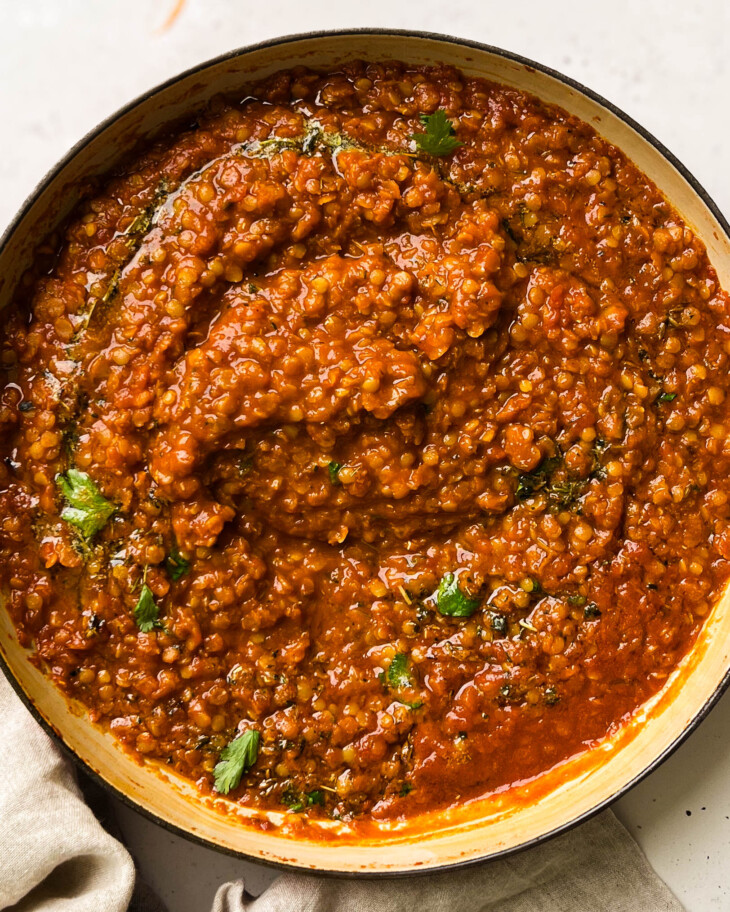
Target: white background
66	64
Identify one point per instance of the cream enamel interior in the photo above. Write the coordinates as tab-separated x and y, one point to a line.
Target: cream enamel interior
482	829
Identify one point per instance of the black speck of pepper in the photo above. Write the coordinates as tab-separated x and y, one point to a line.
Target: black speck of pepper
688	813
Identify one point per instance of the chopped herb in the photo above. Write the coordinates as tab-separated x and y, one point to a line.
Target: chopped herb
531	483
236	759
86	507
439	137
334	469
141	224
451	601
576	601
666	397
591	611
562	495
146	611
417	704
252	289
552	479
398	673
551	696
175	563
314	135
499	623
405	789
26	405
297	802
652	586
292	801
112	287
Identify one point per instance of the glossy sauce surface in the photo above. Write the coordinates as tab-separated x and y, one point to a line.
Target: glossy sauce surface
420	458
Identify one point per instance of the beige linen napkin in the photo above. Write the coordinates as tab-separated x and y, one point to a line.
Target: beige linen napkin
56	857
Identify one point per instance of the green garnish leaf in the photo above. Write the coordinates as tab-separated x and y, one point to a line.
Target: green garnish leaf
451	601
175	563
292	801
405	789
146	611
26	405
236	759
666	397
591	611
334	469
439	138
86	507
551	696
398	674
315	797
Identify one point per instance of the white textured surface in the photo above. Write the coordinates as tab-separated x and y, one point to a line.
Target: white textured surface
66	64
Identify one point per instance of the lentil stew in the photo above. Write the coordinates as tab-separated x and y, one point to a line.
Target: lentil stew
364	444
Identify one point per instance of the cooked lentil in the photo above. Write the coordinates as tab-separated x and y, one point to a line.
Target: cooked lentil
417	466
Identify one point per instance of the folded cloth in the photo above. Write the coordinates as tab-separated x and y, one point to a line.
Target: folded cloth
596	867
55	856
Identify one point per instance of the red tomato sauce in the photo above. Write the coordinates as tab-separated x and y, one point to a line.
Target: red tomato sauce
365	444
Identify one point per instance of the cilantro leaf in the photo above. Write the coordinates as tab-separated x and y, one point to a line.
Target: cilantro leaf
398	674
146	611
334	469
439	137
451	601
236	759
86	507
175	563
666	397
